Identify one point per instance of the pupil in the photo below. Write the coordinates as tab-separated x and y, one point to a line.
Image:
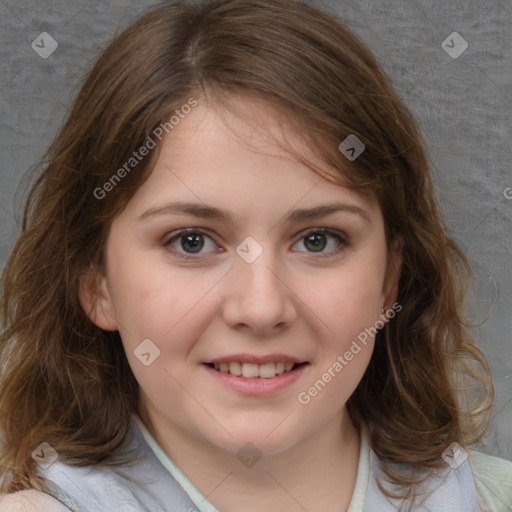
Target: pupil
316	242
192	243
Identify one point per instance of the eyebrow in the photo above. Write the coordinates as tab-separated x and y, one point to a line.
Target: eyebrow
204	211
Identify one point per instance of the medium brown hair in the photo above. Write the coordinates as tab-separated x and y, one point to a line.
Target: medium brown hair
67	382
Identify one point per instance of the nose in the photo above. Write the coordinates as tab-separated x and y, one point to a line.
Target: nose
258	298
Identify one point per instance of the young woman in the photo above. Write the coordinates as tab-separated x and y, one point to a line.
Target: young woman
233	289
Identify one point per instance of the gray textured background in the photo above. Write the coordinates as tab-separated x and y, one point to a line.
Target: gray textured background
463	106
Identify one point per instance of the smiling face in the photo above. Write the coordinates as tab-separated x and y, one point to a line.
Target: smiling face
251	275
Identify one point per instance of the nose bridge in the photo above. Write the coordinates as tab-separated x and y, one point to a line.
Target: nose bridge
254	263
258	299
259	278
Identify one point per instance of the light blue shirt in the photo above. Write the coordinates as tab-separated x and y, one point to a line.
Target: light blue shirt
153	483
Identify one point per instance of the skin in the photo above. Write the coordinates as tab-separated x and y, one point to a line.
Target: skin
290	300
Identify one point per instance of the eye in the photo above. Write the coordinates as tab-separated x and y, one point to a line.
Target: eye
321	241
189	242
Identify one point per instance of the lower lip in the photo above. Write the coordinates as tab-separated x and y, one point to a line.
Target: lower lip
257	386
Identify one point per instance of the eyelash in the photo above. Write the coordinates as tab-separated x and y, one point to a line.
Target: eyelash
340	237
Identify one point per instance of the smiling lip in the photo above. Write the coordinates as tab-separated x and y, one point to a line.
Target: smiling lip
256	386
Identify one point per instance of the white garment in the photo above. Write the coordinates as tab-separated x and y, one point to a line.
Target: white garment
480	484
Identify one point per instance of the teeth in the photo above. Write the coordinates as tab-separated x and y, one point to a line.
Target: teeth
251	370
235	369
267	370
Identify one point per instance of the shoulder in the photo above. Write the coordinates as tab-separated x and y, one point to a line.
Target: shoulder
493	480
30	501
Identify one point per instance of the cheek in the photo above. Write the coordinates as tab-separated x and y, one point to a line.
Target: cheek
348	308
159	317
153	301
347	299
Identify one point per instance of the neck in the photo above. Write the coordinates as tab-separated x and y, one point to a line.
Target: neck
318	474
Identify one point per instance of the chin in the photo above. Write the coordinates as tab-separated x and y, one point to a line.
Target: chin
261	438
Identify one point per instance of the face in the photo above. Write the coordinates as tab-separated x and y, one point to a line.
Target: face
239	281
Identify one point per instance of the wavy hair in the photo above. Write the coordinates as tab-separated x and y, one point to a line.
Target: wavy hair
67	382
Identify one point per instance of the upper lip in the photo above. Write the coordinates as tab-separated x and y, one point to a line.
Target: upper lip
251	358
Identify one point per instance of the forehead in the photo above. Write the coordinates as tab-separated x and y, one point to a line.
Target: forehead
244	153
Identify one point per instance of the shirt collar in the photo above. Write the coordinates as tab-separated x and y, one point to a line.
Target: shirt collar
203	505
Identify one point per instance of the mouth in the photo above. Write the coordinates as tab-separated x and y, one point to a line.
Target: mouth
256	371
256	376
